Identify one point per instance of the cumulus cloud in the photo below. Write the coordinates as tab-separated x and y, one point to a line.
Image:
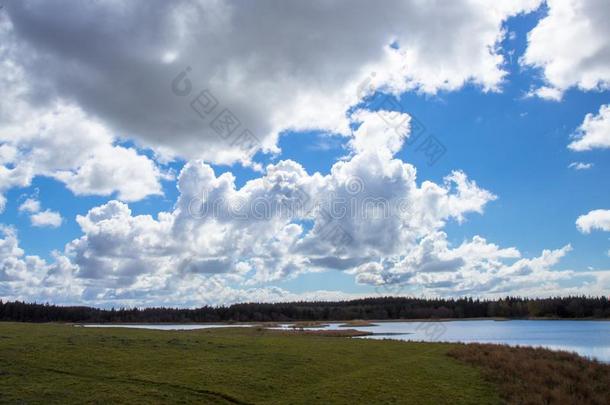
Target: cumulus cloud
64	144
46	218
38	218
368	217
473	268
30	205
594	132
570	45
24	277
594	220
267	68
27	277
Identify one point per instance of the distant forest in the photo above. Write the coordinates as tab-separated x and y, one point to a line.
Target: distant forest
367	308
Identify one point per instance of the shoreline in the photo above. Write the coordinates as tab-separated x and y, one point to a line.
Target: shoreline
373	321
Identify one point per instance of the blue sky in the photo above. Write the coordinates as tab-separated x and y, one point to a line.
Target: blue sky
506	137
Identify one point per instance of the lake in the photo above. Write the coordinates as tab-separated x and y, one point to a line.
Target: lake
587	338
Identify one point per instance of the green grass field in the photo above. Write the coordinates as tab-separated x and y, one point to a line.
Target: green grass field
51	363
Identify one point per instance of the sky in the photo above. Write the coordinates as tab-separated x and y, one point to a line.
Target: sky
211	152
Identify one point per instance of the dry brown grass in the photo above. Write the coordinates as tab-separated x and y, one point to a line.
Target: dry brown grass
331	333
528	375
356	322
308	324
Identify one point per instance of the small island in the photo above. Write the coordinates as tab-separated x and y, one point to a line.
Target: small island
357	323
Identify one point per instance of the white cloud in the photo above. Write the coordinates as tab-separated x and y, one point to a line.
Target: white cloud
48	218
596	219
276	68
31	278
368	217
111	169
594	132
571	47
548	93
27	277
69	146
252	235
15	266
30	205
580	166
38	218
476	267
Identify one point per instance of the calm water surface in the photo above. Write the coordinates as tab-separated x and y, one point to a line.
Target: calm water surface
587	338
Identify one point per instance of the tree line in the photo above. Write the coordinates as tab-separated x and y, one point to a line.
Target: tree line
366	308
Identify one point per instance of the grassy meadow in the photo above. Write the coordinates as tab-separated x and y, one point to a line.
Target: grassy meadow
55	363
